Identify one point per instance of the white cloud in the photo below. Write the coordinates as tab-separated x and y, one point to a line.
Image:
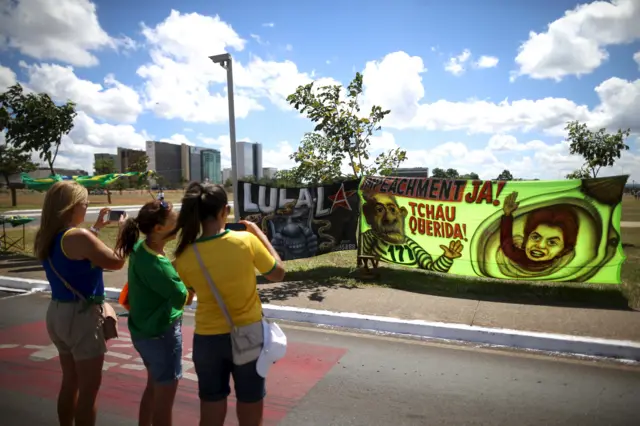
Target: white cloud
636	57
486	62
113	101
288	48
63	30
395	83
279	157
181	82
269	24
89	137
258	39
456	64
575	43
7	77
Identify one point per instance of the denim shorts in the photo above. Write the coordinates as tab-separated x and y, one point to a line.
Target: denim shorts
213	362
162	355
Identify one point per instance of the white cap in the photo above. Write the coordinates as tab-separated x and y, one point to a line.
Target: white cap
274	347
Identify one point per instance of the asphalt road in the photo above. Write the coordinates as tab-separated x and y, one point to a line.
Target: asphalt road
339	378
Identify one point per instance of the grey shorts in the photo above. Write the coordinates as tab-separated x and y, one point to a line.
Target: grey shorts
76	329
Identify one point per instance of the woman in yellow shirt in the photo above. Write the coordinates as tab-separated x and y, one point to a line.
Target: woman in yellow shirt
231	258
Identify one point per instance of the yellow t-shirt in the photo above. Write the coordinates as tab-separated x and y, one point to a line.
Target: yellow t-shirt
231	258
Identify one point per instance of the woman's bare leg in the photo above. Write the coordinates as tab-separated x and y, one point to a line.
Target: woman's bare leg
213	413
250	413
145	415
68	396
89	380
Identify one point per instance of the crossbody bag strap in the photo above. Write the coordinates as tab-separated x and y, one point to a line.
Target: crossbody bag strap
213	287
66	284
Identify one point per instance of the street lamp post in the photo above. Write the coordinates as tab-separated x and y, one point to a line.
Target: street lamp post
226	62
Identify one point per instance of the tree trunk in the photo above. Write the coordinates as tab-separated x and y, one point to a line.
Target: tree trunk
14	197
108	196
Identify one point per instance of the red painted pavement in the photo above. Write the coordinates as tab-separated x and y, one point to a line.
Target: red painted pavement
288	382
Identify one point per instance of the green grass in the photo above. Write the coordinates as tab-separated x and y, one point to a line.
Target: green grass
630	209
334	270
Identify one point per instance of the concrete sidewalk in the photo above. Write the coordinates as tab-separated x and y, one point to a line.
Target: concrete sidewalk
619	323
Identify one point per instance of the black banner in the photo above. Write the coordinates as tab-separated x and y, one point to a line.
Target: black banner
303	222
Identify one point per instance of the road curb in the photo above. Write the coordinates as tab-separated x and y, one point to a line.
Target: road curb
578	345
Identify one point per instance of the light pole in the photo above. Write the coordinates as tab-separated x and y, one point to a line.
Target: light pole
226	62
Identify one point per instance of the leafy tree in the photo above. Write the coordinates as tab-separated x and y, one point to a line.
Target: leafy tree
347	134
471	176
119	185
249	178
13	161
599	149
35	123
445	174
284	178
315	159
579	174
141	165
505	175
228	183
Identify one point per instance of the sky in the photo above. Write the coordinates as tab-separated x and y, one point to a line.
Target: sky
479	86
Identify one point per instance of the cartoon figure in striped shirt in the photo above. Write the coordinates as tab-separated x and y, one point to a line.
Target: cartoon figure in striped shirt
388	241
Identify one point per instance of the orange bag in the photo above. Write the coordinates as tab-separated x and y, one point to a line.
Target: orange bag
124	297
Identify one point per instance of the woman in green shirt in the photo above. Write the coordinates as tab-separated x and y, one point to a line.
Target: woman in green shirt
157	298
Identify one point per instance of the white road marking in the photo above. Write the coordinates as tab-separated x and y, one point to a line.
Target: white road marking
119	355
123	345
44	354
133	366
190	376
108	365
8	346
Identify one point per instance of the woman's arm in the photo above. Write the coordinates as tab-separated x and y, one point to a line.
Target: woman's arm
168	284
80	244
266	258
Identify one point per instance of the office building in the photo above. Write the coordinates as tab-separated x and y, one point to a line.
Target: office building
204	165
269	172
226	174
126	157
249	159
166	160
178	164
422	172
102	156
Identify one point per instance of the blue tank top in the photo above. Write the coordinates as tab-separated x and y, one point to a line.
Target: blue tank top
82	275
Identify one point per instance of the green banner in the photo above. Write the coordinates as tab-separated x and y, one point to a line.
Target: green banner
518	230
97	181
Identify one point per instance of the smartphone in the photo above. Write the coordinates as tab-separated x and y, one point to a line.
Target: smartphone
114	215
236	226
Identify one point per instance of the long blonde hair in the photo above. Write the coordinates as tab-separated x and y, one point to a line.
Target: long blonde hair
57	211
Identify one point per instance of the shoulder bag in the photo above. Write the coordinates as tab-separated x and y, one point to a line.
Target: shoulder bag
247	342
108	314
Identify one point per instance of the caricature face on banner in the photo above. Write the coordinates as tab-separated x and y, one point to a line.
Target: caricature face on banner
530	230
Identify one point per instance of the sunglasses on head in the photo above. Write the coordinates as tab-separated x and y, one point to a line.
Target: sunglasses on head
164	205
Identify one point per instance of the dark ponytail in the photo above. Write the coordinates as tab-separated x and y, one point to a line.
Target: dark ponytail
200	202
151	214
128	237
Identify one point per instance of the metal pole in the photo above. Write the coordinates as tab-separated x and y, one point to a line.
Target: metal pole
232	138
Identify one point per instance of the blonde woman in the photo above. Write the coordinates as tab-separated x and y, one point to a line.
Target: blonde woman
75	257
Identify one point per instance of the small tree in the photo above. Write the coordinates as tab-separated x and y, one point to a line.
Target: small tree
579	174
35	122
599	149
347	134
445	174
315	159
228	183
14	161
288	178
471	176
141	166
105	166
505	175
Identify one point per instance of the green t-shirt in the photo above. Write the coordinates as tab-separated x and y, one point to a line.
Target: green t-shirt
157	295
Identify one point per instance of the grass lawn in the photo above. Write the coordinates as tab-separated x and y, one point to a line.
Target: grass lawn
630	209
28	200
339	269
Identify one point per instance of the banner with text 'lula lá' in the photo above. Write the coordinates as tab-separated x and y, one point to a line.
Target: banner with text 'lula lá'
565	230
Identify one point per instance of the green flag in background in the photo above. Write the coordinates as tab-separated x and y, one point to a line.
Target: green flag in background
98	181
524	230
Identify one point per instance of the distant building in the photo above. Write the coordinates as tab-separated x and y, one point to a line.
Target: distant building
183	163
269	172
101	156
126	157
422	172
249	159
226	174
